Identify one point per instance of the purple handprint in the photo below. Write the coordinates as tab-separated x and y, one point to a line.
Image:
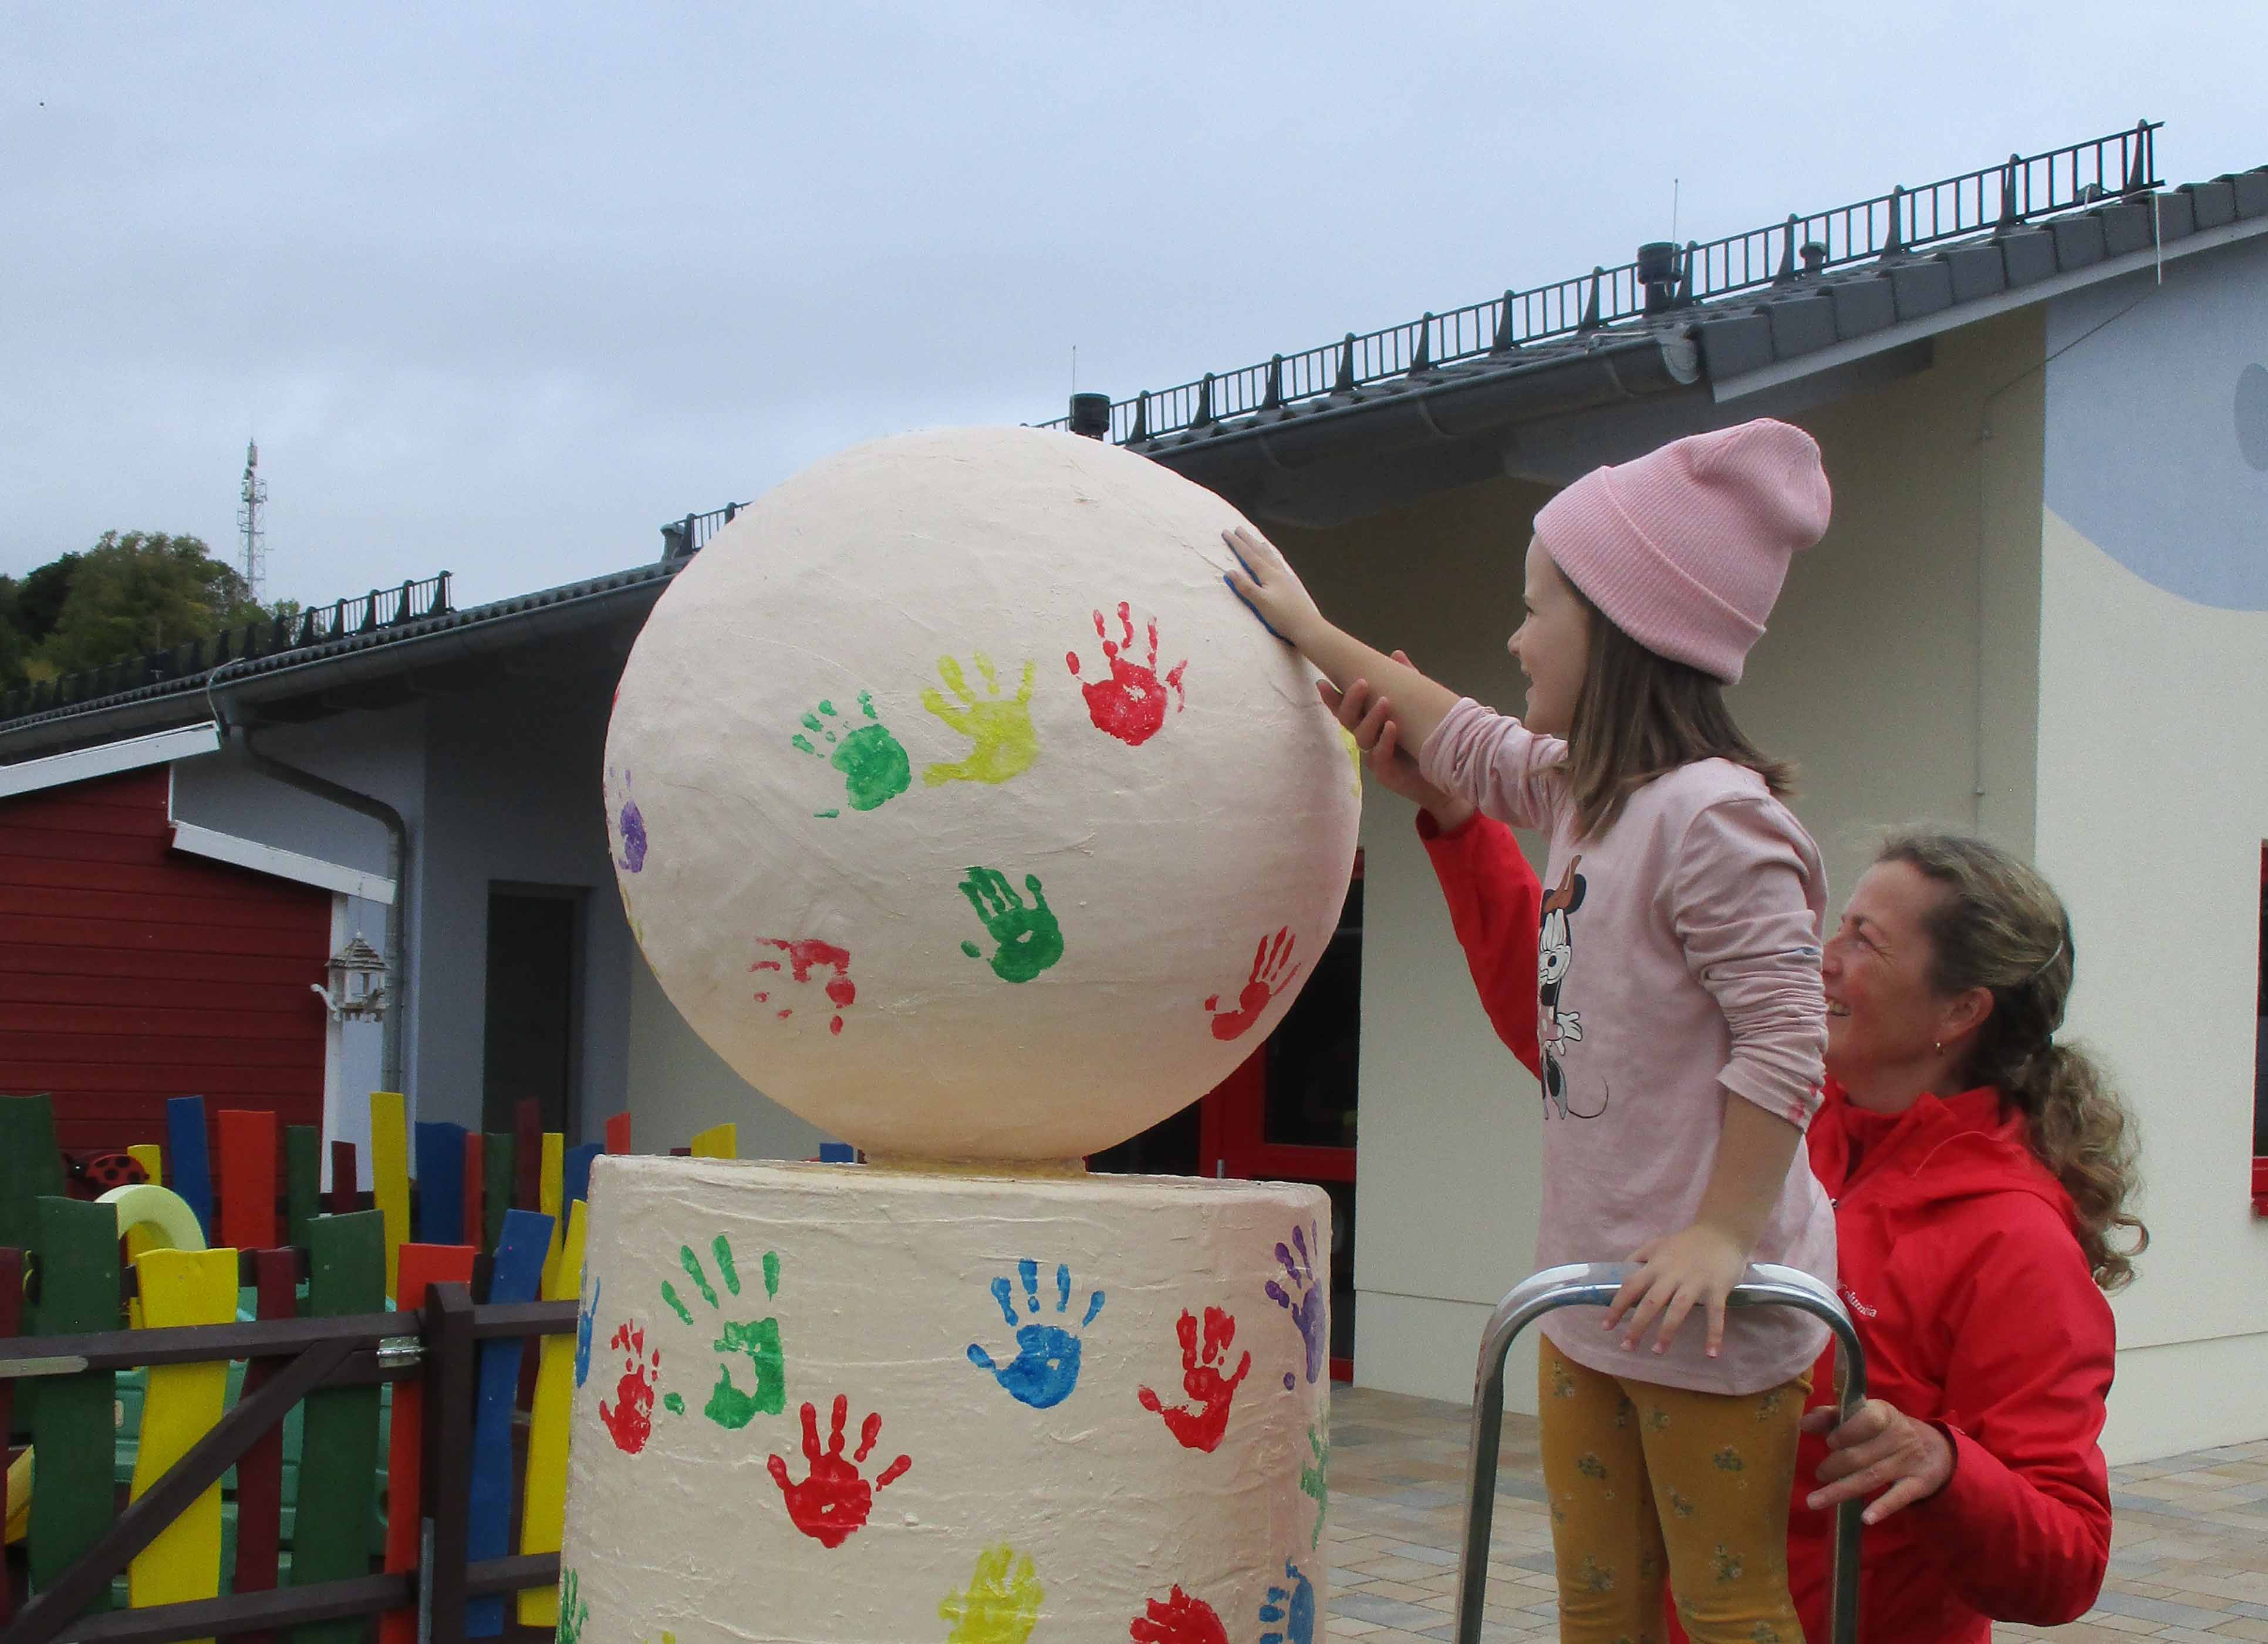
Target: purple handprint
1306	1300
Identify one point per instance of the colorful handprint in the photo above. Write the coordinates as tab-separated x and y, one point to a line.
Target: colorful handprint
758	1340
1005	743
1316	1481
629	822
1002	1603
574	1614
1130	705
1289	1612
630	1420
1045	1369
834	1498
872	762
1029	939
1306	1300
1177	1618
1198	1426
803	957
1269	978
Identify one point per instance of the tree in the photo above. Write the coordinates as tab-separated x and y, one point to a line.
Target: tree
139	593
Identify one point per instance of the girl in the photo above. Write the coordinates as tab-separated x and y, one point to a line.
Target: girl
1679	1008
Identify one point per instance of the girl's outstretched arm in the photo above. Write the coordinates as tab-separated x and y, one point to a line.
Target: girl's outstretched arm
1264	581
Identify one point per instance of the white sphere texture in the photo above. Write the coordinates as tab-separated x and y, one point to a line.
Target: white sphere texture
962	808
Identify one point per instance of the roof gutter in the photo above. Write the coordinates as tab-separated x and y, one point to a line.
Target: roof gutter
242	734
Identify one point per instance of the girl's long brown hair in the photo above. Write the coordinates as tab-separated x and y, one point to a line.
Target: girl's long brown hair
2001	926
1640	716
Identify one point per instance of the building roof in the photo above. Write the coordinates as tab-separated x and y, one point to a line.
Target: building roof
1440	399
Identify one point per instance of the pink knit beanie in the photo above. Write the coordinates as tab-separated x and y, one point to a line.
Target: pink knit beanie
1685	547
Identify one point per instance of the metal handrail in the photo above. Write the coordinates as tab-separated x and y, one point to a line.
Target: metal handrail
2008	195
1594	1284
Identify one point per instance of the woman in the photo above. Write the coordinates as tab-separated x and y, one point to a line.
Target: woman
1978	1229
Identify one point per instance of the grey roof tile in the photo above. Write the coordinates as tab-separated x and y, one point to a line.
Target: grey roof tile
1921	286
1861	305
2177	215
2125	227
1977	270
2250	189
2215	202
1735	343
2079	241
1800	324
2029	254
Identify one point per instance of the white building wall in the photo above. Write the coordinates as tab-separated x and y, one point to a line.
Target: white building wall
2154	797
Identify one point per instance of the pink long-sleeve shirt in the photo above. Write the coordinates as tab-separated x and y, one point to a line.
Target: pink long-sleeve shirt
1677	970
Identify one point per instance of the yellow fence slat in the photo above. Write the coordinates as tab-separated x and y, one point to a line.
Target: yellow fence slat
718	1141
389	1172
543	1511
550	1194
182	1405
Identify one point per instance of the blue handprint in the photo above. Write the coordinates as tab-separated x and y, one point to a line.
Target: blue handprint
1046	1365
582	1323
1308	1307
1289	1613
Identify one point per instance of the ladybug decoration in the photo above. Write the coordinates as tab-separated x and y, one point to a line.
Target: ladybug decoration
96	1174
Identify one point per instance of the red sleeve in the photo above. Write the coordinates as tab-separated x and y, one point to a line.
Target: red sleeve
2023	1530
1495	905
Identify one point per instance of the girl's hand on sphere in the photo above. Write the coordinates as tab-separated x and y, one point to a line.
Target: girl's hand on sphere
1264	581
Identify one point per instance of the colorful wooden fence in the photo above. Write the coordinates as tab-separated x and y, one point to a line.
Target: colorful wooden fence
316	1538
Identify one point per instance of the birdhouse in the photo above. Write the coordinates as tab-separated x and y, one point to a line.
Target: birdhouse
357	989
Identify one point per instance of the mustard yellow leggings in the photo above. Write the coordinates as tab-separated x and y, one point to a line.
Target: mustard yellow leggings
1647	1481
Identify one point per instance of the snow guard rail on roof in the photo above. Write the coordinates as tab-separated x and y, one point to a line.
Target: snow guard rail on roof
2022	189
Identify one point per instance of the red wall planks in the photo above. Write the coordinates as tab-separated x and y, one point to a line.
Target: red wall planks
130	972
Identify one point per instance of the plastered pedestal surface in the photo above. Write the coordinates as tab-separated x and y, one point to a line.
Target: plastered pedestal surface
1012	1336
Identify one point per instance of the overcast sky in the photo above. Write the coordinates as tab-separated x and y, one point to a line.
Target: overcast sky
500	289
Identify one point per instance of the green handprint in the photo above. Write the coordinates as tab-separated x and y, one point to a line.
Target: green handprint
1005	744
1315	1480
760	1339
1001	1605
874	766
1030	939
573	1612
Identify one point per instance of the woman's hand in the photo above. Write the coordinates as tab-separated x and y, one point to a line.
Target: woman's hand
1883	1449
1264	581
1367	716
1696	1267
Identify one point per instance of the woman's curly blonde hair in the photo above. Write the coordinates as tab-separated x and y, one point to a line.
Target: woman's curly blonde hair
2001	926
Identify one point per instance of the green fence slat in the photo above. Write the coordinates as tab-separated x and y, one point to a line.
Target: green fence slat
497	1168
73	1500
338	1457
303	1180
31	1166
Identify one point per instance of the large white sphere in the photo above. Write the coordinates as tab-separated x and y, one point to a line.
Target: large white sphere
928	840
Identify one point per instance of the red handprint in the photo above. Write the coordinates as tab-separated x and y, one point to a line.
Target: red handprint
1130	705
630	1421
801	957
1268	979
1200	1429
1178	1619
834	1500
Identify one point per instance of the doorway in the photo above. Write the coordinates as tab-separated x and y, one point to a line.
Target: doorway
530	1044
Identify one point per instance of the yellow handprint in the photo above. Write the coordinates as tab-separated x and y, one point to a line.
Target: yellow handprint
1005	744
1000	1606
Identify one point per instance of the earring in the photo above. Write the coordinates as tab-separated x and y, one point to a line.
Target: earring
1938	1047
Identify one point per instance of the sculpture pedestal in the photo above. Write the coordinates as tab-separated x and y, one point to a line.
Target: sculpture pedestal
828	1403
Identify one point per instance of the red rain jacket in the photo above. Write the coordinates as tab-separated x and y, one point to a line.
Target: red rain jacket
1962	1269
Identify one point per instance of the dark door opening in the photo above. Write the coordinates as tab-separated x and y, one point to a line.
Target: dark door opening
534	985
